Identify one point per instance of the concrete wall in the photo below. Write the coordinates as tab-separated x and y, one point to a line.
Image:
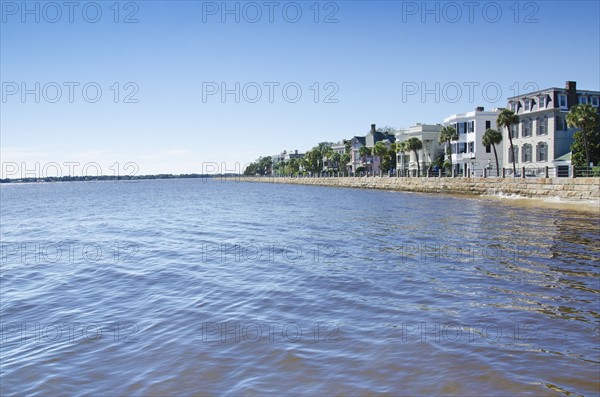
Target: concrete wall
564	188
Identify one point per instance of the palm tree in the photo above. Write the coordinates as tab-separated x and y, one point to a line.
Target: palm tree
335	160
265	165
447	135
345	159
393	153
492	138
364	152
277	168
380	150
294	166
312	161
401	148
507	118
586	118
415	144
327	154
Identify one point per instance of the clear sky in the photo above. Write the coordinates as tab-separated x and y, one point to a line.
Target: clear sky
355	63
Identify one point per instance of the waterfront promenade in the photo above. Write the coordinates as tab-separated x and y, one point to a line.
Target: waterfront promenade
567	189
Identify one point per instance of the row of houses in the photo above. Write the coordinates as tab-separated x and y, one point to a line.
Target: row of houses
541	138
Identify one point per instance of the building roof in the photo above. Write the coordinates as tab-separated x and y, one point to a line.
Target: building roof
549	90
473	114
360	139
380	136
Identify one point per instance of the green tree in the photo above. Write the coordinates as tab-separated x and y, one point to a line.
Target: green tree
322	149
492	138
414	144
364	152
506	119
327	154
251	169
265	165
393	157
277	167
284	166
335	160
305	164
585	117
293	166
262	166
387	130
344	160
388	161
347	146
380	150
401	148
313	160
447	135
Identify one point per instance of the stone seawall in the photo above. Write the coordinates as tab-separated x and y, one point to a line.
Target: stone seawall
587	189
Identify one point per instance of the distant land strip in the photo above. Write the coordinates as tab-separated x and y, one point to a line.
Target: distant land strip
89	178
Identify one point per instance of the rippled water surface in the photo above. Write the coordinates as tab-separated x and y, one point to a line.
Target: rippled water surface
195	287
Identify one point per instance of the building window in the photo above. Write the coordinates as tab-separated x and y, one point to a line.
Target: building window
583	99
462	128
542	151
560	124
511	159
471	147
595	101
527	105
514	131
526	128
562	101
542	126
462	147
488	125
527	157
542	103
471	126
488	149
513	107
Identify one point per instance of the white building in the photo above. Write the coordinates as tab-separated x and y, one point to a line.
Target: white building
468	151
339	147
429	134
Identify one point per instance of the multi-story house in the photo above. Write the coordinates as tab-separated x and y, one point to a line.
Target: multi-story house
468	151
371	139
429	134
278	158
542	135
356	159
292	155
339	147
370	163
285	156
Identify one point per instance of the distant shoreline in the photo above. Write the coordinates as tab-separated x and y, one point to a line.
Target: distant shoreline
110	178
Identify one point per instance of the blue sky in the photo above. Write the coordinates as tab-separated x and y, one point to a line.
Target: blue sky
364	61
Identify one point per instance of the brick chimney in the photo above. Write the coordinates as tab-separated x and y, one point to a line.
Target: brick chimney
372	128
479	109
571	87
